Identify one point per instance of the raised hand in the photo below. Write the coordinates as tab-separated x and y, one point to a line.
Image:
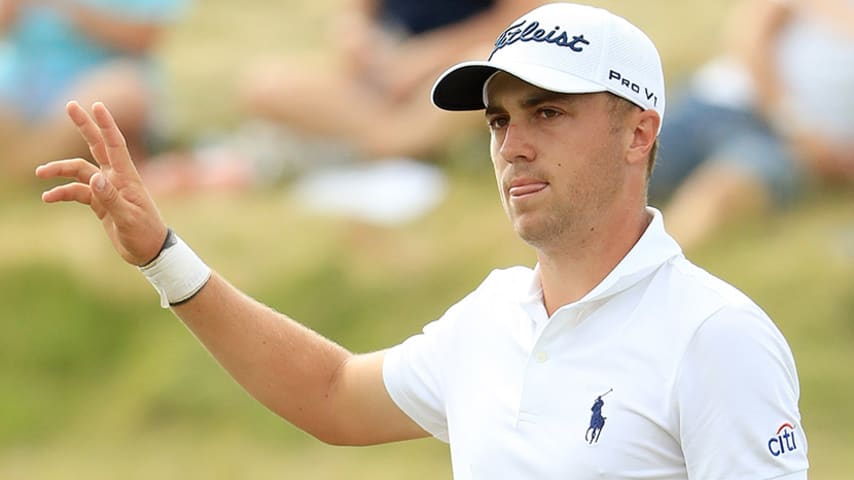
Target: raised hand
112	188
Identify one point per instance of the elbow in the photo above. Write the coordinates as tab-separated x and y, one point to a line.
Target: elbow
338	441
327	435
324	426
336	436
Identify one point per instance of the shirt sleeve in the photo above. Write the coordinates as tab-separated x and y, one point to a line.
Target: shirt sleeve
737	392
415	373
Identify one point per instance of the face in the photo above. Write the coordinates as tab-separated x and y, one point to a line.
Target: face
559	159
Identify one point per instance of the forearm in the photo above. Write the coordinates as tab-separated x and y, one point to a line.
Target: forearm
284	365
310	381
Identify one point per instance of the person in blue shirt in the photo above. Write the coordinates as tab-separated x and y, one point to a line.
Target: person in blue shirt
52	51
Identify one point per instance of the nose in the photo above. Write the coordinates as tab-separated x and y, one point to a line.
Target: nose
515	145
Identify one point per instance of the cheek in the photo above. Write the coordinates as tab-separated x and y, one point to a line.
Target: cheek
498	167
498	164
494	146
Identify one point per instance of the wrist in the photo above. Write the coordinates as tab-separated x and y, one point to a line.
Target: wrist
176	273
168	241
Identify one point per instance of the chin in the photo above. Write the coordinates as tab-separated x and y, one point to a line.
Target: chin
537	231
530	232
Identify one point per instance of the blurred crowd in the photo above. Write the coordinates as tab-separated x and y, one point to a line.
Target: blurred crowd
357	135
52	51
770	117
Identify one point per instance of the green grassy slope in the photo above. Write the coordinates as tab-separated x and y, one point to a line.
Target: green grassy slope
94	370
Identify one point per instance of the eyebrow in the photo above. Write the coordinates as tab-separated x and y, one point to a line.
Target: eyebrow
534	99
544	97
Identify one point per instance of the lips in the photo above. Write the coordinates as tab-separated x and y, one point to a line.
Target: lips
521	188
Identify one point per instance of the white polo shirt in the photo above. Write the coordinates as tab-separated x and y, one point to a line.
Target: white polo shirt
661	372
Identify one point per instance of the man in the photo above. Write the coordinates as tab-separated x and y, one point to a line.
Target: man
693	379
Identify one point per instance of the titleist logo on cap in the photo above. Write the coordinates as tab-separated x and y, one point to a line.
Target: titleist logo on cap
530	31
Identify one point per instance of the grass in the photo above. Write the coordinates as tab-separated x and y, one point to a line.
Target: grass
106	383
98	382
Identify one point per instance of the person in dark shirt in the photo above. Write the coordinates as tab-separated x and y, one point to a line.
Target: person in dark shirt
370	102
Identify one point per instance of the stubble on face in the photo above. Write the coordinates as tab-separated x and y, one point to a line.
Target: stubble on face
581	165
582	196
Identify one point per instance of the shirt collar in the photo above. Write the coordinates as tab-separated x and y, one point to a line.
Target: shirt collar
653	249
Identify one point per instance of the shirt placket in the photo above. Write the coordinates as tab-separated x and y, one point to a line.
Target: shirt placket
537	382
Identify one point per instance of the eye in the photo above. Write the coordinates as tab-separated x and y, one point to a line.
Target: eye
497	121
547	112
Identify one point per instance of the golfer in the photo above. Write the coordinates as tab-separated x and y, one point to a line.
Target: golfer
685	377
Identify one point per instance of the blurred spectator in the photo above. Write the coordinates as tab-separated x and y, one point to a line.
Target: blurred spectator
371	103
52	51
773	114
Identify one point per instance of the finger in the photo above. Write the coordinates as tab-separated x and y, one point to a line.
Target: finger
105	194
89	131
114	140
107	201
76	168
72	192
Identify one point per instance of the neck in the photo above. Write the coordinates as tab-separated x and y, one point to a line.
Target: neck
573	267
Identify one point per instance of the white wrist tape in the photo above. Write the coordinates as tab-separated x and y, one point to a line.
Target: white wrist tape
177	273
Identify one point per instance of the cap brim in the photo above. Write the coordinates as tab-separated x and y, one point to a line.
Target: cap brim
461	87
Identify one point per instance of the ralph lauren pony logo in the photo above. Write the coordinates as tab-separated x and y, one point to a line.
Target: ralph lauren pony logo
597	421
530	31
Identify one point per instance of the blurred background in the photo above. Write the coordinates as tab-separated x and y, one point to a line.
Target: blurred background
98	382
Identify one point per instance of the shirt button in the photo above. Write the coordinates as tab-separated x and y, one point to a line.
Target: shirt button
541	357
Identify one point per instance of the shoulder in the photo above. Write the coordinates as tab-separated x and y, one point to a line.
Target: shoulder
499	288
736	385
511	283
698	290
705	313
516	280
733	334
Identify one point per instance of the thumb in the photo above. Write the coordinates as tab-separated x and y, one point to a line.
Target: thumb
103	190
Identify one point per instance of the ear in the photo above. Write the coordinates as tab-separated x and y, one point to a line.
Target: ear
643	136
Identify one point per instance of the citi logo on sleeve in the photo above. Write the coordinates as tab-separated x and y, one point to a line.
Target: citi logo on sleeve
783	441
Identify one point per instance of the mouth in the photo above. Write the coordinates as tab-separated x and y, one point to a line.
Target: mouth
526	188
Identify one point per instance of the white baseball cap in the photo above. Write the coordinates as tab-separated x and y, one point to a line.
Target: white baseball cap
564	48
